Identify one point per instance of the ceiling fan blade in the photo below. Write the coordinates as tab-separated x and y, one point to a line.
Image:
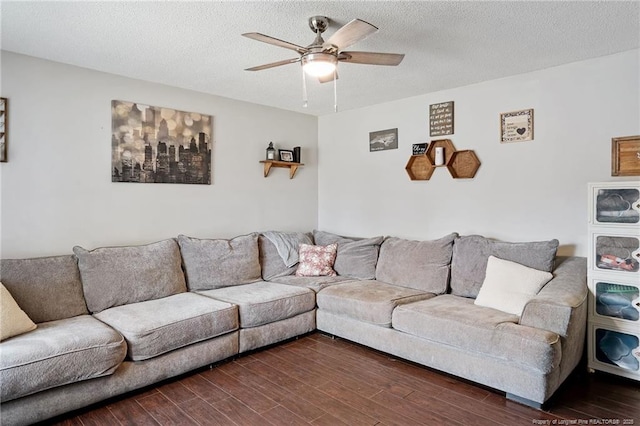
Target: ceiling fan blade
371	58
273	64
327	78
350	33
276	42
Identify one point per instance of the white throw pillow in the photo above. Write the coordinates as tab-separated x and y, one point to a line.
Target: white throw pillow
13	320
508	286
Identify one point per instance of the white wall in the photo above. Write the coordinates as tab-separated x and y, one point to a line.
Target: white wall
523	191
57	190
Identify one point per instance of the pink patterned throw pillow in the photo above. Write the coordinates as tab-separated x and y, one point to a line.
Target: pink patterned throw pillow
316	261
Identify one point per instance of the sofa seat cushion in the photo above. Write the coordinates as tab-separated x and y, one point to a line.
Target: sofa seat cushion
57	353
456	321
158	326
265	302
370	301
314	283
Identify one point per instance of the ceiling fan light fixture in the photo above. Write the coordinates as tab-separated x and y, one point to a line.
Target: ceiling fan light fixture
319	64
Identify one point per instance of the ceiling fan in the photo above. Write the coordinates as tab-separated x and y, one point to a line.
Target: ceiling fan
320	58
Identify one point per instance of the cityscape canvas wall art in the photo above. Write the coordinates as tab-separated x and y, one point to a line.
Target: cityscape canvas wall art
159	145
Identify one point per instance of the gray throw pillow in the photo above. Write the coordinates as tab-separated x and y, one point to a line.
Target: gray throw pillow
421	265
471	253
357	257
46	288
211	264
272	264
114	276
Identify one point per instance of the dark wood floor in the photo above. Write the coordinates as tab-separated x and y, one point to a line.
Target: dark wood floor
323	381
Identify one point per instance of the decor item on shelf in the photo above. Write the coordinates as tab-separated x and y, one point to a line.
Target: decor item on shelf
439	161
296	154
383	140
448	150
149	144
441	119
271	152
320	59
4	108
625	156
516	126
419	148
286	155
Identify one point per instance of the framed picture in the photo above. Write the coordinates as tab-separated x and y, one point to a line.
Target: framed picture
383	140
152	144
625	156
3	129
516	126
285	155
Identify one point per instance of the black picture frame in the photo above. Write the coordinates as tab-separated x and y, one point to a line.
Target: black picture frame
285	155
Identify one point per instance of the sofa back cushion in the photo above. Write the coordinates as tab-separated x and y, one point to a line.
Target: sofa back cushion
13	320
46	288
357	257
271	263
210	264
114	276
421	265
471	253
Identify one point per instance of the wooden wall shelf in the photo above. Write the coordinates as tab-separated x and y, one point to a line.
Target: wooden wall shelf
419	167
449	149
461	164
293	167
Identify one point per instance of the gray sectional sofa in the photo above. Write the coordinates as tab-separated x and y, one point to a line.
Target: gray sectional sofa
112	320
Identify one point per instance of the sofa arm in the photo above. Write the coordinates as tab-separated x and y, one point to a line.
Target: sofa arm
552	308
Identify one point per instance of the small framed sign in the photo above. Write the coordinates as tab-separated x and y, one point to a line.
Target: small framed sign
419	148
441	119
516	126
625	156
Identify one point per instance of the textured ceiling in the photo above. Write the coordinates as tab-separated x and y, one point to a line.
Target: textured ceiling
197	45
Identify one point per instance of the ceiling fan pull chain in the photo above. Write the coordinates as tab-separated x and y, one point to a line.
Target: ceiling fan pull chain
305	100
335	91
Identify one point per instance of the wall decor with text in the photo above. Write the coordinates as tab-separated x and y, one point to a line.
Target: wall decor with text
441	119
516	126
159	145
419	148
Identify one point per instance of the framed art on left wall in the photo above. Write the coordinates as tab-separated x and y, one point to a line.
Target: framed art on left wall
4	106
159	145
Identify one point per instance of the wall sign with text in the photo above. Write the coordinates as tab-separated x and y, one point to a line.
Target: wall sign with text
516	126
441	119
